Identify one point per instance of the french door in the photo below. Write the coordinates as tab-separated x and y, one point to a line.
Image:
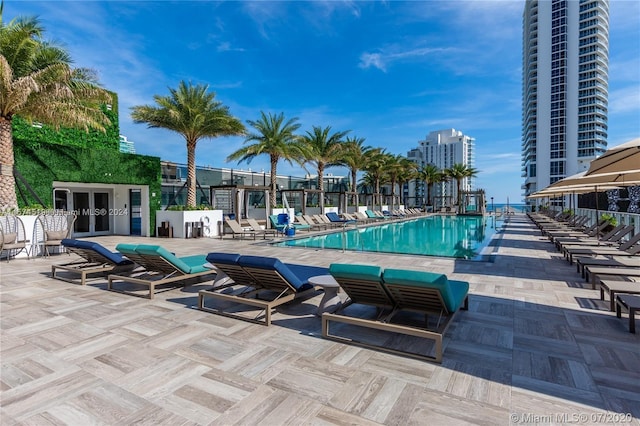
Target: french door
94	214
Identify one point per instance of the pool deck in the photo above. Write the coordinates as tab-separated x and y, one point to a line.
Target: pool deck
536	344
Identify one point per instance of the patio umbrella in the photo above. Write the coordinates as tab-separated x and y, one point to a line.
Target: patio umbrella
620	164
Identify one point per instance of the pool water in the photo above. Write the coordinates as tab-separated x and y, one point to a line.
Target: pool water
448	236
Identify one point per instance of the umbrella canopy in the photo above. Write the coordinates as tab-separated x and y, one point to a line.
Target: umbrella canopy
620	164
617	167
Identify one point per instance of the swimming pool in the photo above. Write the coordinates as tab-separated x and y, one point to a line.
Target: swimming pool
449	236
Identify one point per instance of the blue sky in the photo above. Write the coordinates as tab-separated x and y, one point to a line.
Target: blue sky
390	72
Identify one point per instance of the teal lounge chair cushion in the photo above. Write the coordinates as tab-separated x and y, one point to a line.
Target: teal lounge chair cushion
453	292
358	272
151	250
127	248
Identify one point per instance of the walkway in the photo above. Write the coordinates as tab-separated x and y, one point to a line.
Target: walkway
536	342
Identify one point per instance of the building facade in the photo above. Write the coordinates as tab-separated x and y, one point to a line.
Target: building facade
443	149
126	146
564	88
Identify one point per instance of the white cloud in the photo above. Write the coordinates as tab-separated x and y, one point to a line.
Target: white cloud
625	100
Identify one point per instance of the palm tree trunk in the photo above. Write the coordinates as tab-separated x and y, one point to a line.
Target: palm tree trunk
321	177
272	189
8	199
426	195
191	174
354	177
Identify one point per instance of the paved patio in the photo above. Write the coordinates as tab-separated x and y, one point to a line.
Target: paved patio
536	344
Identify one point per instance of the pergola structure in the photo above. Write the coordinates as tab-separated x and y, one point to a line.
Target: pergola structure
473	202
237	198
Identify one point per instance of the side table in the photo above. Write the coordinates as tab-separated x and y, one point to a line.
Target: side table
330	300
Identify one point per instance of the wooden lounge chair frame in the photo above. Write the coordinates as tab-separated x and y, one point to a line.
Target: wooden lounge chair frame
93	263
255	226
158	271
237	230
399	298
258	280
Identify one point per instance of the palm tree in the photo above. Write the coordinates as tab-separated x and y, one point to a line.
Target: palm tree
37	83
353	156
430	174
408	171
374	165
393	169
276	138
459	172
192	111
323	149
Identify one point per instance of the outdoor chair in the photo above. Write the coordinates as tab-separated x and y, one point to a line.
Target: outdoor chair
161	267
12	236
261	282
334	218
238	231
392	291
255	226
311	226
314	223
96	259
611	238
628	248
54	228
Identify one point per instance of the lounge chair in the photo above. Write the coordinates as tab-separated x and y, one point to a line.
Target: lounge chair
398	290
614	287
162	267
259	276
614	236
311	226
613	261
594	273
255	226
314	223
334	218
96	259
239	231
628	248
12	236
321	218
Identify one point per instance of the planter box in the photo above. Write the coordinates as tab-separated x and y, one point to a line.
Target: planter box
211	221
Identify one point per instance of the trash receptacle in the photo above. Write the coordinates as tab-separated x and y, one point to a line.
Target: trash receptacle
290	231
283	219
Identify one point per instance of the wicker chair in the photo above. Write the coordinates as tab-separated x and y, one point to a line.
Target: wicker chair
54	228
12	236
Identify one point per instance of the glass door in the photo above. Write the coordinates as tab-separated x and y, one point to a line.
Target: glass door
94	216
102	216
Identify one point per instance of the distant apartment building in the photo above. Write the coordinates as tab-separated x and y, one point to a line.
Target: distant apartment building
443	149
126	146
564	88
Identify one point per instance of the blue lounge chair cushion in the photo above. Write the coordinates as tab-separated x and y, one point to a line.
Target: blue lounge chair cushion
453	292
300	283
115	258
333	217
188	264
223	258
358	272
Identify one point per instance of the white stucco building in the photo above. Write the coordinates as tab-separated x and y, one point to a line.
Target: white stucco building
443	148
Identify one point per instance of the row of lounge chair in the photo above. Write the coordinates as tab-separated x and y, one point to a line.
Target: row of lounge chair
608	260
306	222
266	283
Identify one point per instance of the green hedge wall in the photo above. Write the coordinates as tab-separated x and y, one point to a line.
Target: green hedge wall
42	163
110	139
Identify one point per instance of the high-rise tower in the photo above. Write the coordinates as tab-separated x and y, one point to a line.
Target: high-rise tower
564	88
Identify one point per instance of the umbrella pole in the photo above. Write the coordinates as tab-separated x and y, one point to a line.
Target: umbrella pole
597	217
